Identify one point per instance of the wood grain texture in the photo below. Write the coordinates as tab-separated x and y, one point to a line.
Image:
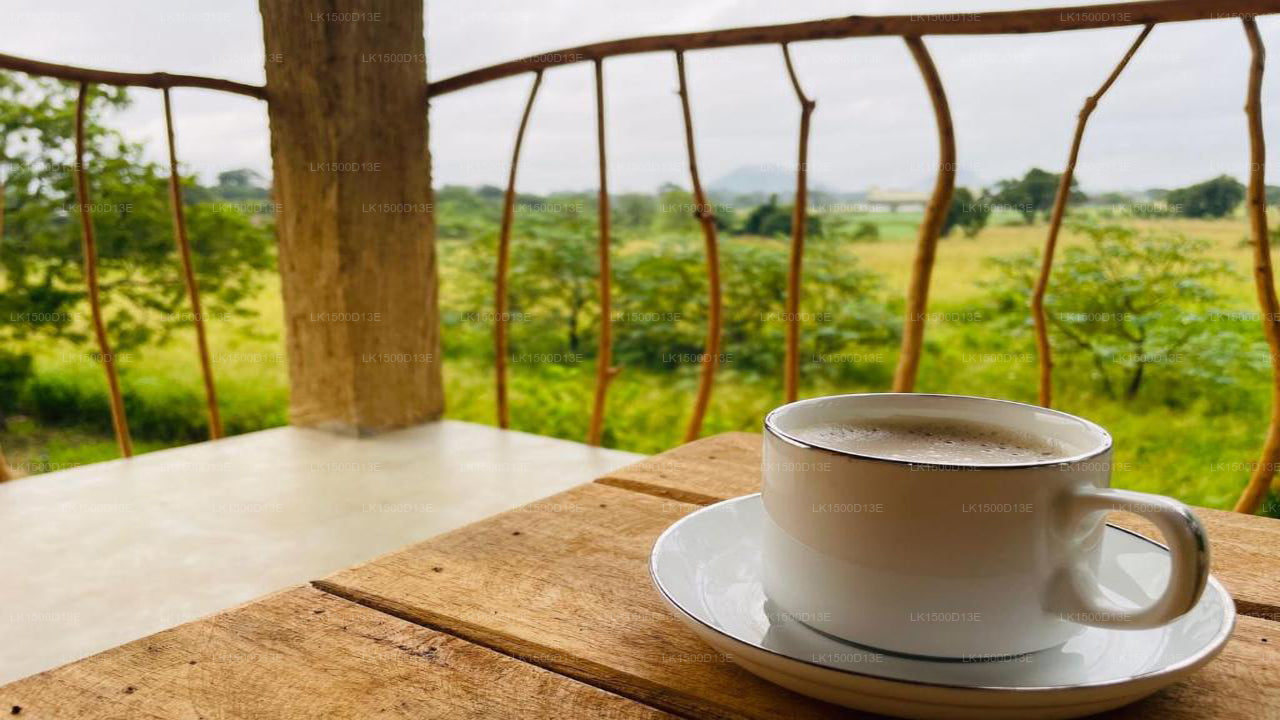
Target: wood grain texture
564	583
352	177
303	653
1246	548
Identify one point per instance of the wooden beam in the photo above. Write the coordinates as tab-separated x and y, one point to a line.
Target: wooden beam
605	371
89	247
1079	17
504	260
1263	274
1041	319
799	218
904	377
158	80
189	275
352	178
707	220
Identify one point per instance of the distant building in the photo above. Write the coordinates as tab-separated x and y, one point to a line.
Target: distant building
881	200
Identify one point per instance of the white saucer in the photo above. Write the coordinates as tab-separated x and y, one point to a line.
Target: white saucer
707	567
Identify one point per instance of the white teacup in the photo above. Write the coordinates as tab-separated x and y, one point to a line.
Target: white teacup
957	561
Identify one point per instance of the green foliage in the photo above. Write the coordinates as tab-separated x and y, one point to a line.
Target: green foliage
1130	303
143	294
634	211
772	219
1210	199
660	296
968	212
662	306
160	407
1271	506
15	372
865	232
1033	193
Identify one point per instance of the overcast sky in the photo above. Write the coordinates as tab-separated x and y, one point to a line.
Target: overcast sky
1173	118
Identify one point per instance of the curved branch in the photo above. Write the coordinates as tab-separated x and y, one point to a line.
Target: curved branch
791	365
504	261
159	80
89	245
1043	347
706	218
904	377
1263	275
1081	17
605	371
189	275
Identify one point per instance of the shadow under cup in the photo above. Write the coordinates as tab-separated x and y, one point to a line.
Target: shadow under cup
955	561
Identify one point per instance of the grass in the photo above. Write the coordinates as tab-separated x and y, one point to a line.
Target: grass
1198	452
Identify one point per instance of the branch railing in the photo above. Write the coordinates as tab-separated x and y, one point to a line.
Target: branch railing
912	29
89	248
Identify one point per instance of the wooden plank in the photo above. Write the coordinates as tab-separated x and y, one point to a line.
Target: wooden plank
305	654
1246	548
703	472
564	583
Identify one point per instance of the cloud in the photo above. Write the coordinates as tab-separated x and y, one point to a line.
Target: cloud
1173	118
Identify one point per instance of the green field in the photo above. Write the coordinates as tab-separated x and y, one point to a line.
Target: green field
1195	446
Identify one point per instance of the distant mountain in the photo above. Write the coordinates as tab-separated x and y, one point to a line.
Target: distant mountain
767	180
749	179
964	178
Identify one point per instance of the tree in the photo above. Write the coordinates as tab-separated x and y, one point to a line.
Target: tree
551	282
772	219
1128	302
1033	193
1210	199
240	178
662	298
635	211
41	266
968	212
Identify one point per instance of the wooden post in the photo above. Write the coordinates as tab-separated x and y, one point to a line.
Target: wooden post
89	247
1263	275
904	377
504	261
347	104
1038	315
799	218
189	275
706	219
605	371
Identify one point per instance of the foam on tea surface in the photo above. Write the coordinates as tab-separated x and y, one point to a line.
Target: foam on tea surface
942	441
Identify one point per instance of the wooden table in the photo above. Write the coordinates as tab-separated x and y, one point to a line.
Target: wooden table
548	611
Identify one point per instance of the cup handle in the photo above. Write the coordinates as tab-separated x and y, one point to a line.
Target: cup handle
1081	600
